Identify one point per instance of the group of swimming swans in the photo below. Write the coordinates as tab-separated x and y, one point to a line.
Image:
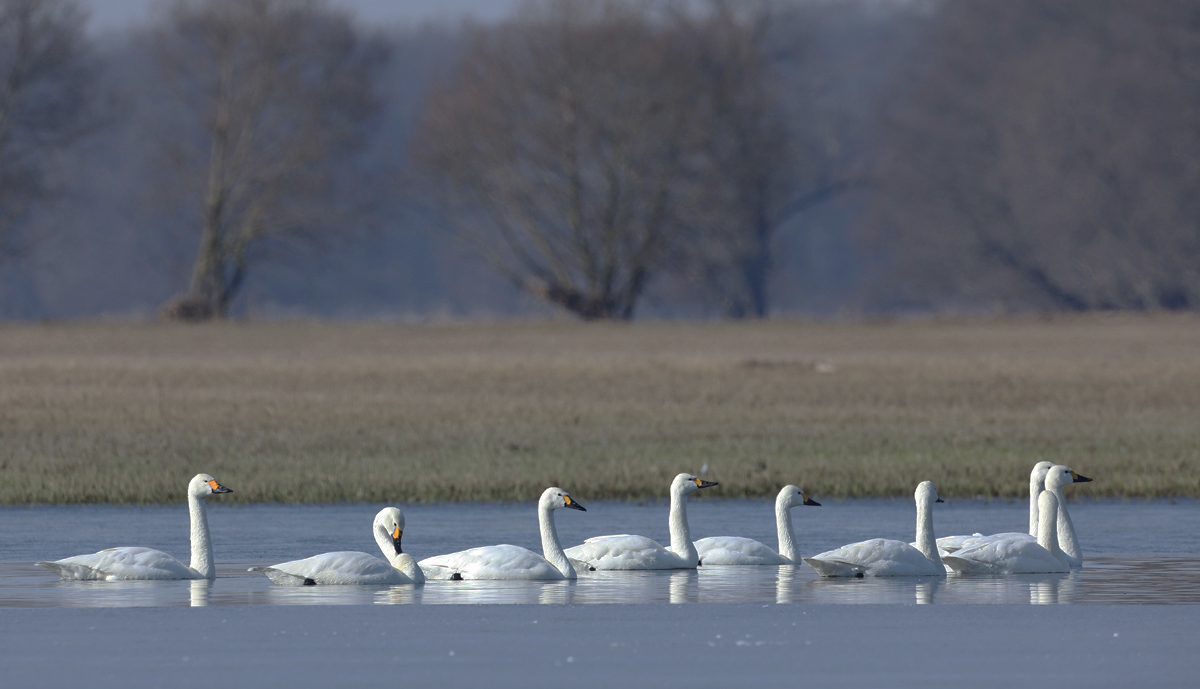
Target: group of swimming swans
1050	546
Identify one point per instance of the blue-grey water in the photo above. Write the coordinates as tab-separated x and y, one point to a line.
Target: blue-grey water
1127	618
1138	552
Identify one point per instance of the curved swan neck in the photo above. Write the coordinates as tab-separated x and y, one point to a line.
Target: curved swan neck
551	548
681	536
1035	490
783	525
202	556
385	542
1047	535
926	543
1066	531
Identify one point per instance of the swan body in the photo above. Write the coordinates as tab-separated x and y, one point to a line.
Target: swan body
1017	555
510	561
882	557
132	563
624	551
348	567
735	550
1068	542
1037	481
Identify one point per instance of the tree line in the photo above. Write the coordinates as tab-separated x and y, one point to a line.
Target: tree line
599	153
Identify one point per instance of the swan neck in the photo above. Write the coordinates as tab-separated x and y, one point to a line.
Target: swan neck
926	543
1047	535
384	541
681	535
1066	532
787	538
551	548
202	556
1035	491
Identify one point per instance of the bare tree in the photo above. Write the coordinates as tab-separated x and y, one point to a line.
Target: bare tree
1048	154
768	145
566	147
46	103
282	92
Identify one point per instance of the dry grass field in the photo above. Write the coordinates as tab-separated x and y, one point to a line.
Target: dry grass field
304	412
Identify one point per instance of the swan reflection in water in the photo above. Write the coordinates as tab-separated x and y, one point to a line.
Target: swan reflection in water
200	593
1012	589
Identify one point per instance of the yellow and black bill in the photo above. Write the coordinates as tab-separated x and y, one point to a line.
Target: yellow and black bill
573	503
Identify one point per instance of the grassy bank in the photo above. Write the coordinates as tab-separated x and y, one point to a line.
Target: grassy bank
323	412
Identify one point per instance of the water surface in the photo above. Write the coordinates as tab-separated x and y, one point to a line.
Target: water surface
1138	552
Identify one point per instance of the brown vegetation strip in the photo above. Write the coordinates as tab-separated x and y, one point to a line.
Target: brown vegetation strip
402	413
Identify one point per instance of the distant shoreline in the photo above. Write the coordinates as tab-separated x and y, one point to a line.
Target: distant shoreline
319	413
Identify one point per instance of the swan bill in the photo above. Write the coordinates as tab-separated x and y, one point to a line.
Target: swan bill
701	483
810	502
218	488
1078	478
396	536
573	504
939	500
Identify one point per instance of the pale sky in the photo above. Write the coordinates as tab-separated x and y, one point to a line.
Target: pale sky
117	14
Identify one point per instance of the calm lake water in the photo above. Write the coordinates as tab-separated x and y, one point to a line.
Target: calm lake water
1138	552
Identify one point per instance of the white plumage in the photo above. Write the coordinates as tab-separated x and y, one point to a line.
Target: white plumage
131	563
1016	555
510	561
624	551
736	550
351	567
881	557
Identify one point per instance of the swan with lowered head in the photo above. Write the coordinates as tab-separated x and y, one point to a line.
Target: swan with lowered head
1037	483
623	551
510	561
1017	555
130	563
735	550
882	557
348	567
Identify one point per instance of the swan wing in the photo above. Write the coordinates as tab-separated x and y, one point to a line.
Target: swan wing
734	550
1005	556
878	557
491	562
624	551
337	568
118	564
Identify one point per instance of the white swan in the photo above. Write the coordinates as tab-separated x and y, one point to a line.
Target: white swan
354	567
510	561
623	551
881	557
116	564
1037	480
1017	555
735	550
1056	478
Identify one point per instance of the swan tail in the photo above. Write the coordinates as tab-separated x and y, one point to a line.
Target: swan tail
581	565
833	568
73	572
961	564
283	578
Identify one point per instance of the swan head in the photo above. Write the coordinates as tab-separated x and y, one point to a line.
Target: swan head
793	496
554	498
1060	476
203	485
927	493
686	483
390	522
1037	477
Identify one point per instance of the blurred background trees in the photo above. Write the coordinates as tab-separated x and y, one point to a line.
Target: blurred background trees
47	102
273	97
673	158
